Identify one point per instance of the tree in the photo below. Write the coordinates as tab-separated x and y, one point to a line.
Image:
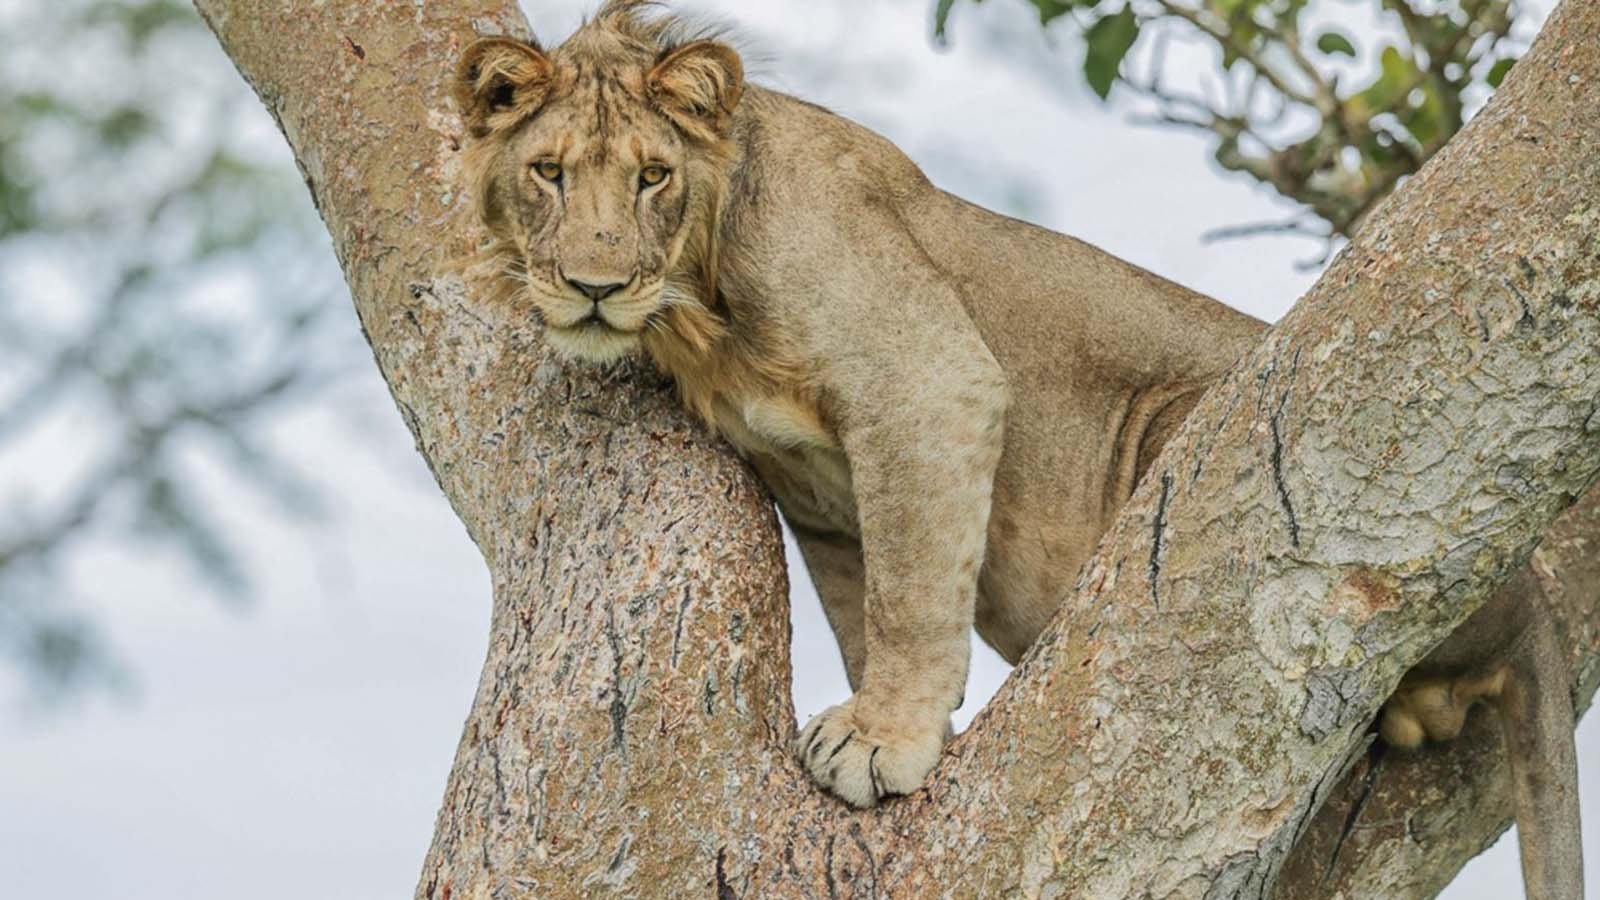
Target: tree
1392	453
184	313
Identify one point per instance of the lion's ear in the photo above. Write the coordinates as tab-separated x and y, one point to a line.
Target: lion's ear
500	82
698	86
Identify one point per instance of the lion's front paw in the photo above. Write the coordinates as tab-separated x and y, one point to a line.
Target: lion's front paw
863	758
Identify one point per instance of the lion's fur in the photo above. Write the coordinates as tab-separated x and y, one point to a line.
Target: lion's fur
894	361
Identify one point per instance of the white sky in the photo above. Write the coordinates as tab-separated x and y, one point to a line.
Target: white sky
300	747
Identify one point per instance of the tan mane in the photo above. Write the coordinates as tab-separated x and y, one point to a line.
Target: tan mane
647	25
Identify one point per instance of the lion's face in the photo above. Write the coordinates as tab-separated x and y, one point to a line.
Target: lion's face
594	197
595	170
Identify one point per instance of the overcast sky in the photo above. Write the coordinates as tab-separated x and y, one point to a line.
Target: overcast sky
300	747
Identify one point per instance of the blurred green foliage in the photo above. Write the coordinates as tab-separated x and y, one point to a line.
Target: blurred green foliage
1329	119
163	289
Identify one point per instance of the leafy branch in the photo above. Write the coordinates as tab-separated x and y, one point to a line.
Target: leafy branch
1303	109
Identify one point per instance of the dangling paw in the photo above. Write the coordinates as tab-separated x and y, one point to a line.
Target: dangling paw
1434	709
863	758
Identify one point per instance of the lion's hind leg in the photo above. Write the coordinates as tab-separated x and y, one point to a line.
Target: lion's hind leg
1525	681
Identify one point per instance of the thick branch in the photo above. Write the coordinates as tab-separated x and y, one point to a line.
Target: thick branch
1423	414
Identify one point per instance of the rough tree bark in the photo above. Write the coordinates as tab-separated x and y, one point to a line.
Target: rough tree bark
1351	492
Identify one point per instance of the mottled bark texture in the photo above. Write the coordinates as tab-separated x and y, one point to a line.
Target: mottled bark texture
1332	509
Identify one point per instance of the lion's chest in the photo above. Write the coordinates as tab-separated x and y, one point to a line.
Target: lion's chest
798	458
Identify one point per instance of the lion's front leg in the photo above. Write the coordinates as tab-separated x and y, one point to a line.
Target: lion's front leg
922	464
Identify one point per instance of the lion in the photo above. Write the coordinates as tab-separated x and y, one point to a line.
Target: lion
922	384
948	405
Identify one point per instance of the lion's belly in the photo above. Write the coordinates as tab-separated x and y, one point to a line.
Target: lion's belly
1031	558
801	463
812	489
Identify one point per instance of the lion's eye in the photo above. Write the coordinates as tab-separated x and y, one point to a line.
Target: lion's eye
650	176
549	171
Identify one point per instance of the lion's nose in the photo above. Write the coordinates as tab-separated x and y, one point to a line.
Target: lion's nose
596	292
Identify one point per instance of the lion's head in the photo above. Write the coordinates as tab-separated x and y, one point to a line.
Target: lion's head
598	168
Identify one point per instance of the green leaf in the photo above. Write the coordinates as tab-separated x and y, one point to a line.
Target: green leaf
1378	151
1242	33
1396	72
1050	10
941	17
1332	43
1426	120
1109	39
121	127
1497	72
1227	8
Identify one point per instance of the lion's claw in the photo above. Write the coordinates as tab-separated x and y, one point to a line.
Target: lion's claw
862	761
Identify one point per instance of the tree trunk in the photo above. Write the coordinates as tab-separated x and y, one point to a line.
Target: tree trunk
1332	509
